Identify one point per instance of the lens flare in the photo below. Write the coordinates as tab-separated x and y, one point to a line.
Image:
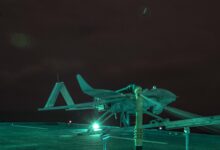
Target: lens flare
95	126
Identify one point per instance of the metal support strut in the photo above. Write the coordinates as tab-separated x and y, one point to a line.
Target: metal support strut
138	131
187	132
104	139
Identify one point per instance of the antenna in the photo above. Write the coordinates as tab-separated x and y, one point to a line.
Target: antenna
58	77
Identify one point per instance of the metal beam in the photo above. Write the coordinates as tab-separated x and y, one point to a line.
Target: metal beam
195	122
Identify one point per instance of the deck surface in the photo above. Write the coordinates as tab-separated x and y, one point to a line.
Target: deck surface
44	136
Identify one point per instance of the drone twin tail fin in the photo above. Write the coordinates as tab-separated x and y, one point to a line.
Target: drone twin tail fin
84	86
96	93
58	88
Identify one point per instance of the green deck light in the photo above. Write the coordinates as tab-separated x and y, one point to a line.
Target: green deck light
95	126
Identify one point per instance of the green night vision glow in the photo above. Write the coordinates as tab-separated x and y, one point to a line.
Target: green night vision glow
95	126
20	40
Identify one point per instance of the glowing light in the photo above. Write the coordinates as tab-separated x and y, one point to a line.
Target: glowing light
70	121
95	126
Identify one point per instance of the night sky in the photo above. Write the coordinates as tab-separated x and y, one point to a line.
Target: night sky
111	43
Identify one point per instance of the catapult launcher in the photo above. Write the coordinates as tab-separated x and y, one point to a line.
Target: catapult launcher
131	100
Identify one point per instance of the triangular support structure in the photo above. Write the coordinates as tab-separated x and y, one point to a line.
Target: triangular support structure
58	88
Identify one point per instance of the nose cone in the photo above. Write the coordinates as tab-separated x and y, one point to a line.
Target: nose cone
167	96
